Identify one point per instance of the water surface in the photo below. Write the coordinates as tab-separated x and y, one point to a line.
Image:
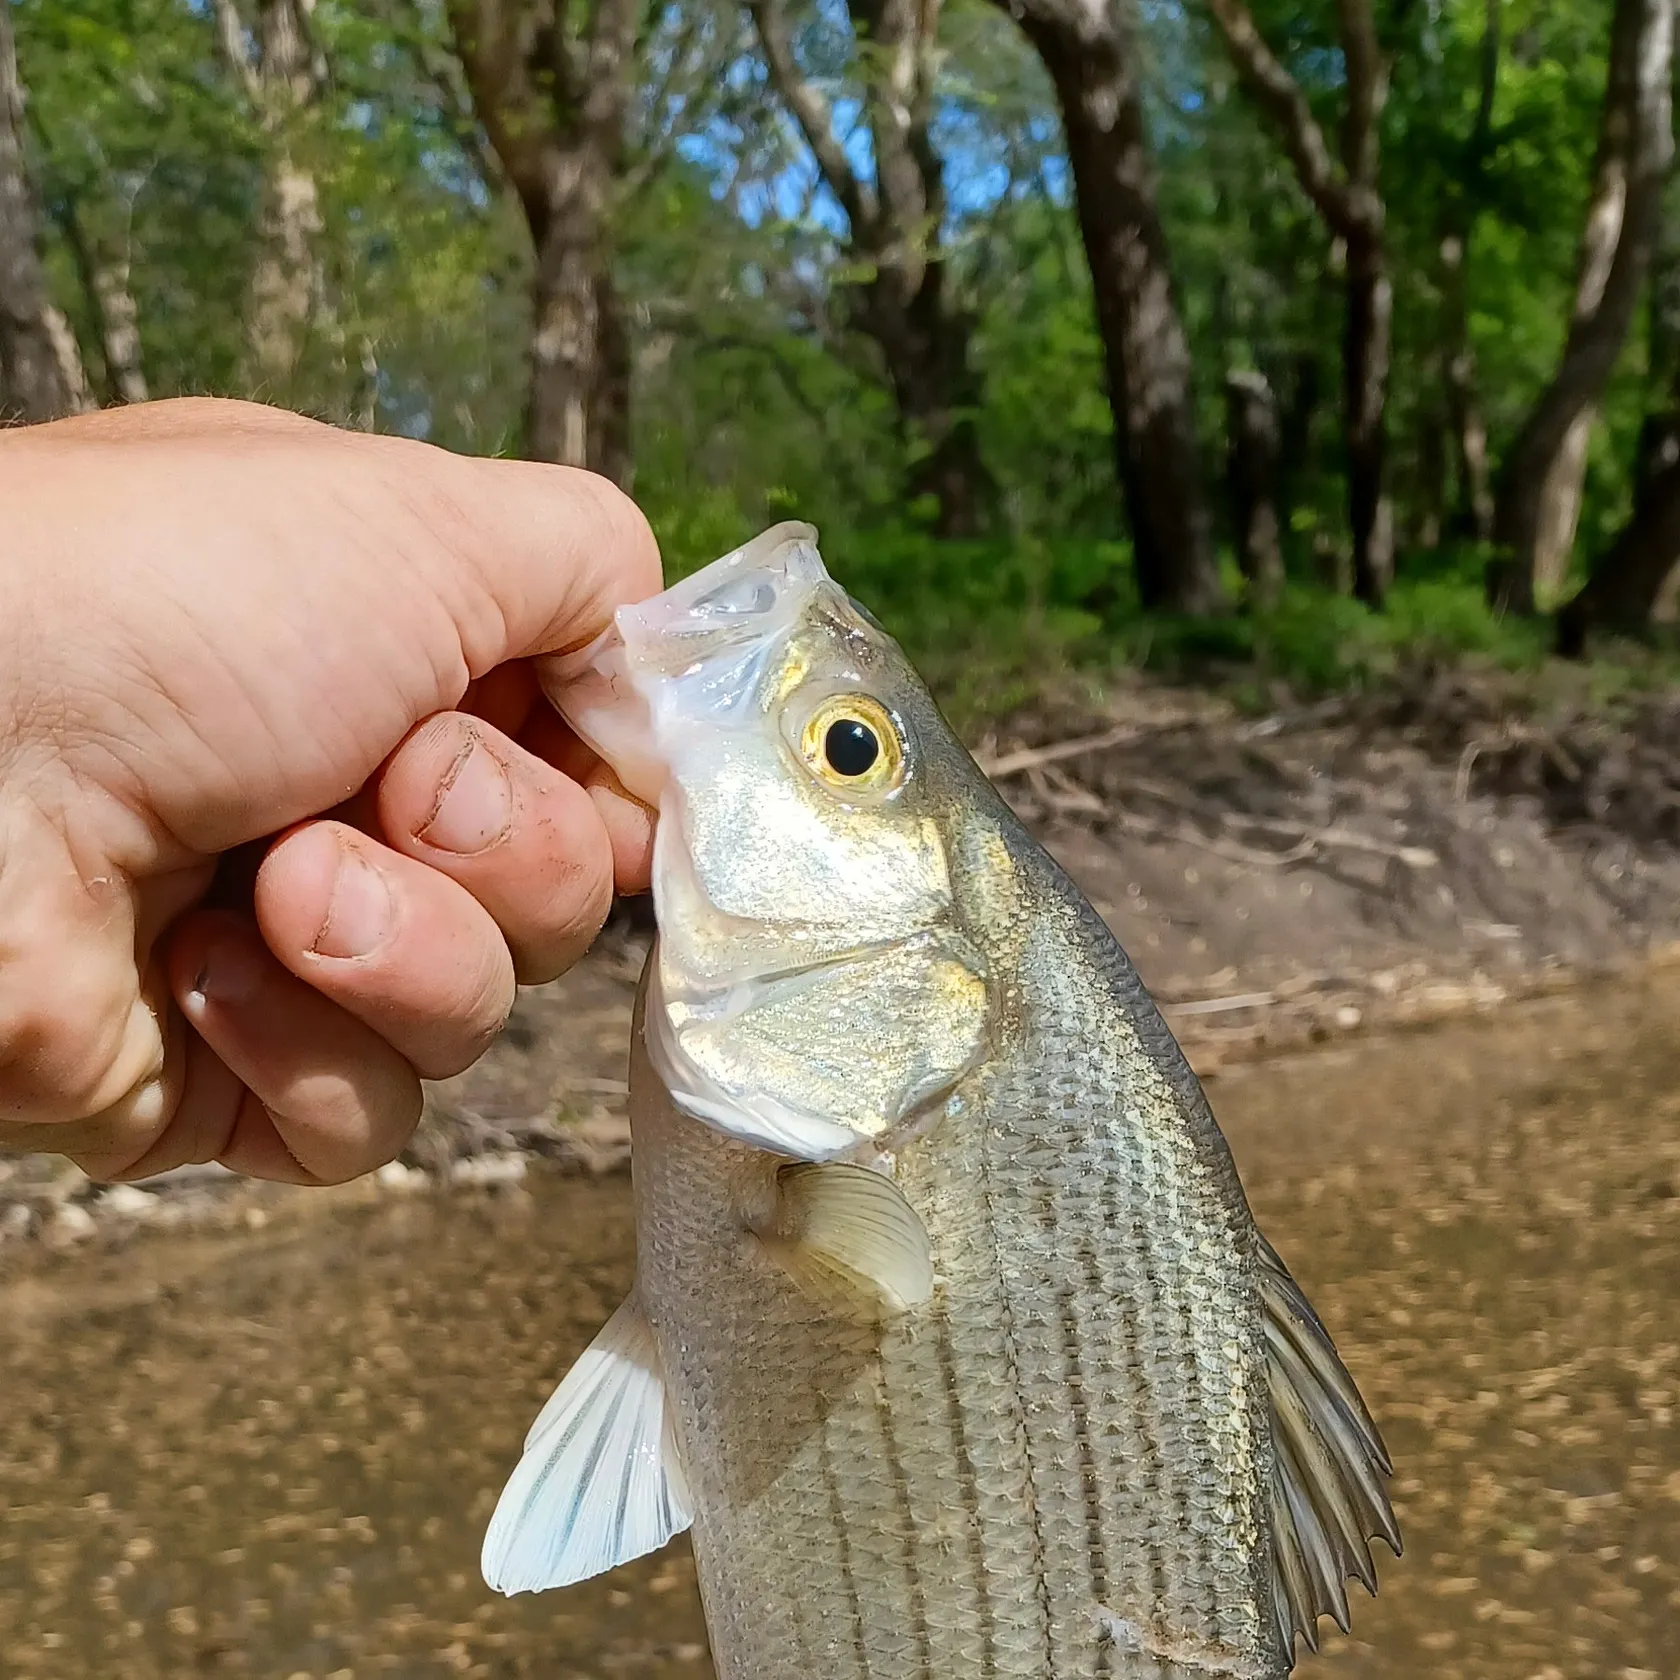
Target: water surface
274	1454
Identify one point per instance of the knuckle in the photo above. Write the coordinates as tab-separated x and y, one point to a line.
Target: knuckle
71	1047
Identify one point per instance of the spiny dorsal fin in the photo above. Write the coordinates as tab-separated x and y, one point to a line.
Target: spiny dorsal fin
1328	1492
601	1478
843	1229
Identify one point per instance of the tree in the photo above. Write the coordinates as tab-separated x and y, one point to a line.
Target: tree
552	89
1349	199
1629	576
1466	426
290	310
40	367
1087	48
903	296
1540	481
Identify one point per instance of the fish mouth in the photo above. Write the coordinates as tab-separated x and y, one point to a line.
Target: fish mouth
701	648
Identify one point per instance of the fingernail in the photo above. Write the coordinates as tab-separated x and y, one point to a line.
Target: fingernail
475	808
359	912
230	971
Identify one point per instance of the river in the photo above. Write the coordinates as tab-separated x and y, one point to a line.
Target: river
273	1454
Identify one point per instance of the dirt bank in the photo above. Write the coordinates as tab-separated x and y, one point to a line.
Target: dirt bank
1435	847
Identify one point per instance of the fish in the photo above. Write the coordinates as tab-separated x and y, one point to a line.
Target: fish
953	1339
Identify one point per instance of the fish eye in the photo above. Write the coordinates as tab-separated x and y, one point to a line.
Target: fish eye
851	742
851	747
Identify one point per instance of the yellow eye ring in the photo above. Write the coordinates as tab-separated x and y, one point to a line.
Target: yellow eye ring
851	743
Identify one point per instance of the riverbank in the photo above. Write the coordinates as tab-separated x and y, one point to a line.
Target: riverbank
1438	846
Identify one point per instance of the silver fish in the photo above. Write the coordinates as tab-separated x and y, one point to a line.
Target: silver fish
952	1337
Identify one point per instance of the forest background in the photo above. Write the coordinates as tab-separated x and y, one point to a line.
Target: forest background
1292	340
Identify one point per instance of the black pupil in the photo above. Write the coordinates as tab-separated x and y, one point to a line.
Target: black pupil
851	747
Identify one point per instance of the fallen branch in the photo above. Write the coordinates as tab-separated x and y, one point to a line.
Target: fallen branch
1221	1005
1193	836
1031	758
1333	836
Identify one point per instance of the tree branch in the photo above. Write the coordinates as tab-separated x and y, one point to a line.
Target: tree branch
1367	79
501	94
1279	96
813	114
230	31
442	70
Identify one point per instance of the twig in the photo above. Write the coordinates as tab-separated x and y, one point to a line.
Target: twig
1466	762
1222	1005
1012	764
1345	839
1191	835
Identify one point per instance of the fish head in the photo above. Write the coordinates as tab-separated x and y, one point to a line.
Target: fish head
814	988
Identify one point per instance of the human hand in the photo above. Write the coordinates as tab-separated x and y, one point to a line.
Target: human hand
282	815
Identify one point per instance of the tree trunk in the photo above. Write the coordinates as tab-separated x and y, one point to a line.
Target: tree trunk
1558	512
1540	485
1306	381
1350	202
288	304
926	346
565	366
1086	45
40	369
1365	358
1623	590
1466	426
1254	444
894	230
110	302
281	304
554	106
289	309
609	436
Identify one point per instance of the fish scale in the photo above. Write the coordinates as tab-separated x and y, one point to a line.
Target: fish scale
953	1336
1076	1266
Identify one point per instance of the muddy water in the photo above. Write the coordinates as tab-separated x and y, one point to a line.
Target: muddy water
274	1456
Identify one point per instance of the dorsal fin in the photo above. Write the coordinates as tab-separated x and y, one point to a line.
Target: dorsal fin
601	1478
1328	1495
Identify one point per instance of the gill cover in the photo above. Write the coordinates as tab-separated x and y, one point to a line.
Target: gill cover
811	990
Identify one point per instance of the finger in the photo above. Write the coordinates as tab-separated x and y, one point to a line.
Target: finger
403	948
627	821
281	1083
82	1057
527	842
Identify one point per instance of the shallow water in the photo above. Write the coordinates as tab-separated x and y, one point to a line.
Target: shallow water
273	1455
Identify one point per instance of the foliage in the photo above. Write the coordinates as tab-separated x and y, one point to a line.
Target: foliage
754	399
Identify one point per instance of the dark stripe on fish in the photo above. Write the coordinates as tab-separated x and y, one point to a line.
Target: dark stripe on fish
1141	1401
1012	1353
1074	1375
901	1493
848	1577
970	1492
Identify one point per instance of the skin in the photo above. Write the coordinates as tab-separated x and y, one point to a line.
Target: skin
283	818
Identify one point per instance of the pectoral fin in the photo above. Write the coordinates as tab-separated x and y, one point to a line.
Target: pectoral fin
1328	1497
601	1478
845	1229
